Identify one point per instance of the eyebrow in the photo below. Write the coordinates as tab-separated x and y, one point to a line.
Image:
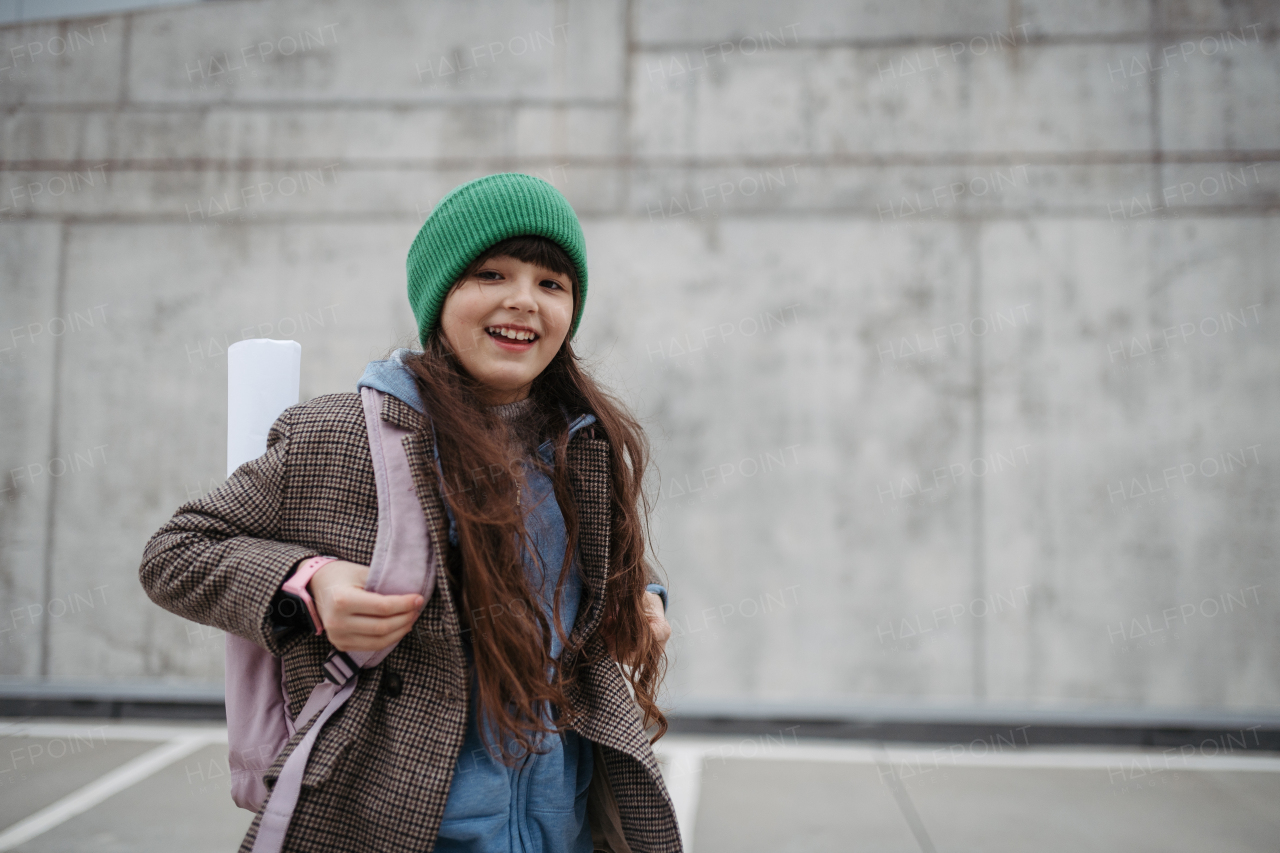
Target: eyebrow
559	277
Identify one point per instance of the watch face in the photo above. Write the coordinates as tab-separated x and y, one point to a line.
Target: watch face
291	607
291	611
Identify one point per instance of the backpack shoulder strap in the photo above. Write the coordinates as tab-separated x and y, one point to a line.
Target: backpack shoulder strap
402	559
402	562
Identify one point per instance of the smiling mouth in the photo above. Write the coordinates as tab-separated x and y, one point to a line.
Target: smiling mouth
514	336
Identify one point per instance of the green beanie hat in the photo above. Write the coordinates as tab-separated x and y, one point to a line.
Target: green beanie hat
474	216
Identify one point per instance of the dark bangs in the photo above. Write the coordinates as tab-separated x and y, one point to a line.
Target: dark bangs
531	249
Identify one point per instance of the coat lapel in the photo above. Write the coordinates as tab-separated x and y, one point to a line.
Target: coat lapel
611	716
399	413
588	460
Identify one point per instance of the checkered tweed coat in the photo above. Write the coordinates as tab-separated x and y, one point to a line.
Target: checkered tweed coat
379	774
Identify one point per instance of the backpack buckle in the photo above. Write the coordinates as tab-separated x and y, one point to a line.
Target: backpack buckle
339	668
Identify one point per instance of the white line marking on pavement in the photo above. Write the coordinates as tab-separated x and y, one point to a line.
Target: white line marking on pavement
683	777
159	733
967	754
101	788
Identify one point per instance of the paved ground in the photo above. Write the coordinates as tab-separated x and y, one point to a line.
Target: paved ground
82	785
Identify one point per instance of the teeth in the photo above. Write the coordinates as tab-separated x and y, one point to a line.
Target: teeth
511	333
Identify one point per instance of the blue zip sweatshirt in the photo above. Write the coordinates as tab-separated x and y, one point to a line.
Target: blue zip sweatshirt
539	805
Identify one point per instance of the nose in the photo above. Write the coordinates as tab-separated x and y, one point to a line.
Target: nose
520	296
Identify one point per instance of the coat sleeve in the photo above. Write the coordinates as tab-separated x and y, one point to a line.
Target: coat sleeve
218	561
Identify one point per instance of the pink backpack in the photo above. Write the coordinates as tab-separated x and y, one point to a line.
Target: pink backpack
258	720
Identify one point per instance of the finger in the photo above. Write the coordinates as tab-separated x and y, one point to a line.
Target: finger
367	643
360	624
375	626
361	602
365	603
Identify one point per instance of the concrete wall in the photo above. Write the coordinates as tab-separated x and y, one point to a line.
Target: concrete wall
882	279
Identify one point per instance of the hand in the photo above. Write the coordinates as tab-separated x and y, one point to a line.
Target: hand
657	619
357	620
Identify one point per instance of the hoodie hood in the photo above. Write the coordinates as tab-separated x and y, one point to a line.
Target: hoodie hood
392	376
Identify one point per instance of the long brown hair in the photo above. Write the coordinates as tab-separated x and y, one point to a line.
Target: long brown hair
510	635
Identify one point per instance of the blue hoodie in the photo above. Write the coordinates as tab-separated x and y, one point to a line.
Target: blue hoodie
539	805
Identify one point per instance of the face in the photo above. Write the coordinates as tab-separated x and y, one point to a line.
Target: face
505	323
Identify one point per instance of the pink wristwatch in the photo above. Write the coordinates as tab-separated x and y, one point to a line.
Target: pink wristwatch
297	585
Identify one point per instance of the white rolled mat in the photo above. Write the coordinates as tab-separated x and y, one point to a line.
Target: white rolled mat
262	381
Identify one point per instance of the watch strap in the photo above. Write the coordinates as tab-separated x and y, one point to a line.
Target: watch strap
297	585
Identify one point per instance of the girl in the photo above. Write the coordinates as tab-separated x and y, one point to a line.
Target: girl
512	713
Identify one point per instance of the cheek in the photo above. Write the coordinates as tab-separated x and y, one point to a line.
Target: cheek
562	310
449	327
458	315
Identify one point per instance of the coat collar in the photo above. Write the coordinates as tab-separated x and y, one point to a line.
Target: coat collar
399	413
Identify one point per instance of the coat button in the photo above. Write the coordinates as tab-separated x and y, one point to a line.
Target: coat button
392	683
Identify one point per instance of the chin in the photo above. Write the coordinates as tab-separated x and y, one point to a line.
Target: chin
506	384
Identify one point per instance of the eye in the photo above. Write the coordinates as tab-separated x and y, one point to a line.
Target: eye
481	275
553	282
